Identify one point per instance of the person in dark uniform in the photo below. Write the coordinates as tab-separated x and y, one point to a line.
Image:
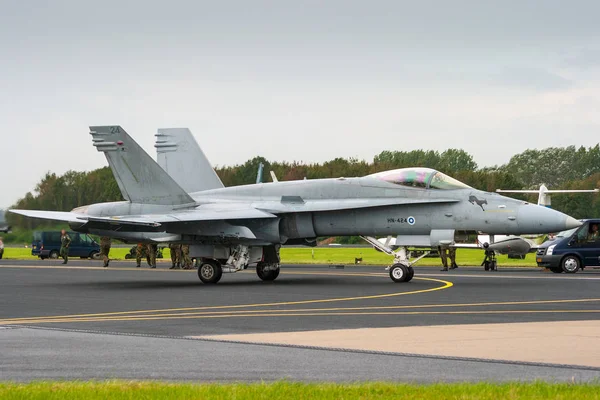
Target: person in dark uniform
65	242
105	243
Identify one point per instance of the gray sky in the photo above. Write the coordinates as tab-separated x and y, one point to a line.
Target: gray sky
294	80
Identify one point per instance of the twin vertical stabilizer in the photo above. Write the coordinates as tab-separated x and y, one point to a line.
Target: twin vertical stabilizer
139	177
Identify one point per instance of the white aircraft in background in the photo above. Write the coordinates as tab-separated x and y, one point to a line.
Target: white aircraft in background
544	193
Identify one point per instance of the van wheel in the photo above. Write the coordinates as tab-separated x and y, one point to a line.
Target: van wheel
570	264
53	254
94	255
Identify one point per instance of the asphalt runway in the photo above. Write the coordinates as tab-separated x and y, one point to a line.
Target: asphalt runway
86	322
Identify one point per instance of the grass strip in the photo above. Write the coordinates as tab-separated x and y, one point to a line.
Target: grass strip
327	255
289	390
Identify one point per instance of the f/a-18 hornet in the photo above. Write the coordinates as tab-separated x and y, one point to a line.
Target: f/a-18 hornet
230	228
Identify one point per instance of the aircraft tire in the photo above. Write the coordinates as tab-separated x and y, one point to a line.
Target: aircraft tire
400	273
411	274
210	271
269	275
570	264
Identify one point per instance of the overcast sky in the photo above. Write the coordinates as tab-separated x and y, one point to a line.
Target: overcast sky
294	80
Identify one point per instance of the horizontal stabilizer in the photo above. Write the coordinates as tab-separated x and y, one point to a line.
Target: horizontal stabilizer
139	177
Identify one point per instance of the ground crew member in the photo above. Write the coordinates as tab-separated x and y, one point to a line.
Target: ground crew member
185	253
1	248
65	242
175	255
139	250
105	243
446	252
151	249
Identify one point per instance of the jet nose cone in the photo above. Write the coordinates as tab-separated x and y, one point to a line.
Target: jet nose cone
571	223
538	219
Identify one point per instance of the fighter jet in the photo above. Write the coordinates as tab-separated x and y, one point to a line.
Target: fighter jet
231	228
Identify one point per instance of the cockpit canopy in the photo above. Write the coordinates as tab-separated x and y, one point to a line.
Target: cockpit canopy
425	178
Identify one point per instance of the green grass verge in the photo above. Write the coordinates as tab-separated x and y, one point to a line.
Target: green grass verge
327	255
287	390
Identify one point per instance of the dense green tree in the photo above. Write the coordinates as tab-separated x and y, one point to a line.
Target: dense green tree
557	167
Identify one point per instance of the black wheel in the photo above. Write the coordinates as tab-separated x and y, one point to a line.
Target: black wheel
400	273
570	264
53	254
94	255
210	271
411	274
486	265
128	256
556	270
493	266
266	275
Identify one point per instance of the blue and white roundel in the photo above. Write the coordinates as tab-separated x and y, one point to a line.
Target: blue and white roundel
411	220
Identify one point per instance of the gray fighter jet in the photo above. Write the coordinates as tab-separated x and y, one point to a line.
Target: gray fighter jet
234	227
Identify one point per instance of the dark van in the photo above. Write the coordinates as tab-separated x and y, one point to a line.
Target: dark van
47	245
572	250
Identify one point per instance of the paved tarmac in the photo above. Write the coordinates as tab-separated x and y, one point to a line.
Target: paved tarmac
87	322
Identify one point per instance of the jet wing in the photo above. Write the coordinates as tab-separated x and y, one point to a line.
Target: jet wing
63	216
151	222
297	204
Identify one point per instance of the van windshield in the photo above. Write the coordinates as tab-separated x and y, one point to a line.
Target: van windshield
566	233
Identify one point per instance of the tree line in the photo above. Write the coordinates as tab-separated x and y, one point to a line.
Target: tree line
557	167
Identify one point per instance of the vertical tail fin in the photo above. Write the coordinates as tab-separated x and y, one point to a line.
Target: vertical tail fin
179	154
139	177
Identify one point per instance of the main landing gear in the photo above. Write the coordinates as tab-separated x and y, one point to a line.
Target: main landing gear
401	270
211	270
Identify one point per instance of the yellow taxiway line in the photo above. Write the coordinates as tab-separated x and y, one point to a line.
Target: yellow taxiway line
78	317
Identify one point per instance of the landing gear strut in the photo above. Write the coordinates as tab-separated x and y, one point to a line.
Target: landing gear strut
214	264
401	270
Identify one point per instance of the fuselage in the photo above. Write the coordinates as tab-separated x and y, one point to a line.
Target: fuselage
450	207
